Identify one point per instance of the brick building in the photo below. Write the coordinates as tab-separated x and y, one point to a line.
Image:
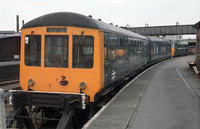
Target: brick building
197	26
9	45
191	46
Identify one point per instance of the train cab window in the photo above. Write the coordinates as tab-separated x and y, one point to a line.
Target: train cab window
83	51
56	51
33	50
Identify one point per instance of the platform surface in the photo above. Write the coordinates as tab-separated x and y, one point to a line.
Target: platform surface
9	70
166	96
6	63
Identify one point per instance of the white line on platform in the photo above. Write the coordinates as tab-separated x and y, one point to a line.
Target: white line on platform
187	85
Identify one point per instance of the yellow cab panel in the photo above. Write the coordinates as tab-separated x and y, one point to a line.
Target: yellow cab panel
62	59
172	49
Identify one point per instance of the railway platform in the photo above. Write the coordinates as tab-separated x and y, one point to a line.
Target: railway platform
165	96
9	70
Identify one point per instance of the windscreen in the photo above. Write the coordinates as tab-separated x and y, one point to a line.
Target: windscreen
56	51
83	51
33	50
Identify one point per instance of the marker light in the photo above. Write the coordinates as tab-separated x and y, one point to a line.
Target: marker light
30	82
82	85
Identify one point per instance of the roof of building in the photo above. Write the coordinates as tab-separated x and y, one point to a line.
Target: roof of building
197	25
7	32
4	37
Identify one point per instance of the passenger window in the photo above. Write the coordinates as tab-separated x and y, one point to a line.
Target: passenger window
164	49
56	51
121	41
112	50
157	48
154	46
135	47
141	50
130	48
83	51
33	50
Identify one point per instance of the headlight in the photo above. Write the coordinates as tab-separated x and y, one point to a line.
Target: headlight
30	82
82	85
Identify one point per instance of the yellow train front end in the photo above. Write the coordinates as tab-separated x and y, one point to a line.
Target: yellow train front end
62	59
172	49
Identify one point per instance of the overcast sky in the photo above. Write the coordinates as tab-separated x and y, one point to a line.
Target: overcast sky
119	12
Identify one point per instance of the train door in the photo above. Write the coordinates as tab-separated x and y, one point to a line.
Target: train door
146	49
106	61
111	57
149	48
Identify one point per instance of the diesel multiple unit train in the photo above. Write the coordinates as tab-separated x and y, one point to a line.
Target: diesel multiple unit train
69	60
179	48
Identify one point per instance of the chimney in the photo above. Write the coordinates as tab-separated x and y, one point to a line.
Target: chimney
22	22
17	23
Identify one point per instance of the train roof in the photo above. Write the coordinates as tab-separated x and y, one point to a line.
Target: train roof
158	39
181	42
77	20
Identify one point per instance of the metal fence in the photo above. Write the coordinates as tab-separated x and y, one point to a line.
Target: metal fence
6	110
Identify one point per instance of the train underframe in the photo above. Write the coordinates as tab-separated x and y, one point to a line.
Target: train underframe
32	109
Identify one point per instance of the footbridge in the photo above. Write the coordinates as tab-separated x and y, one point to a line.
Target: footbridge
163	30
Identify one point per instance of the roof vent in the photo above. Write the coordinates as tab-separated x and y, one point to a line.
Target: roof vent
99	19
111	23
116	25
90	16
